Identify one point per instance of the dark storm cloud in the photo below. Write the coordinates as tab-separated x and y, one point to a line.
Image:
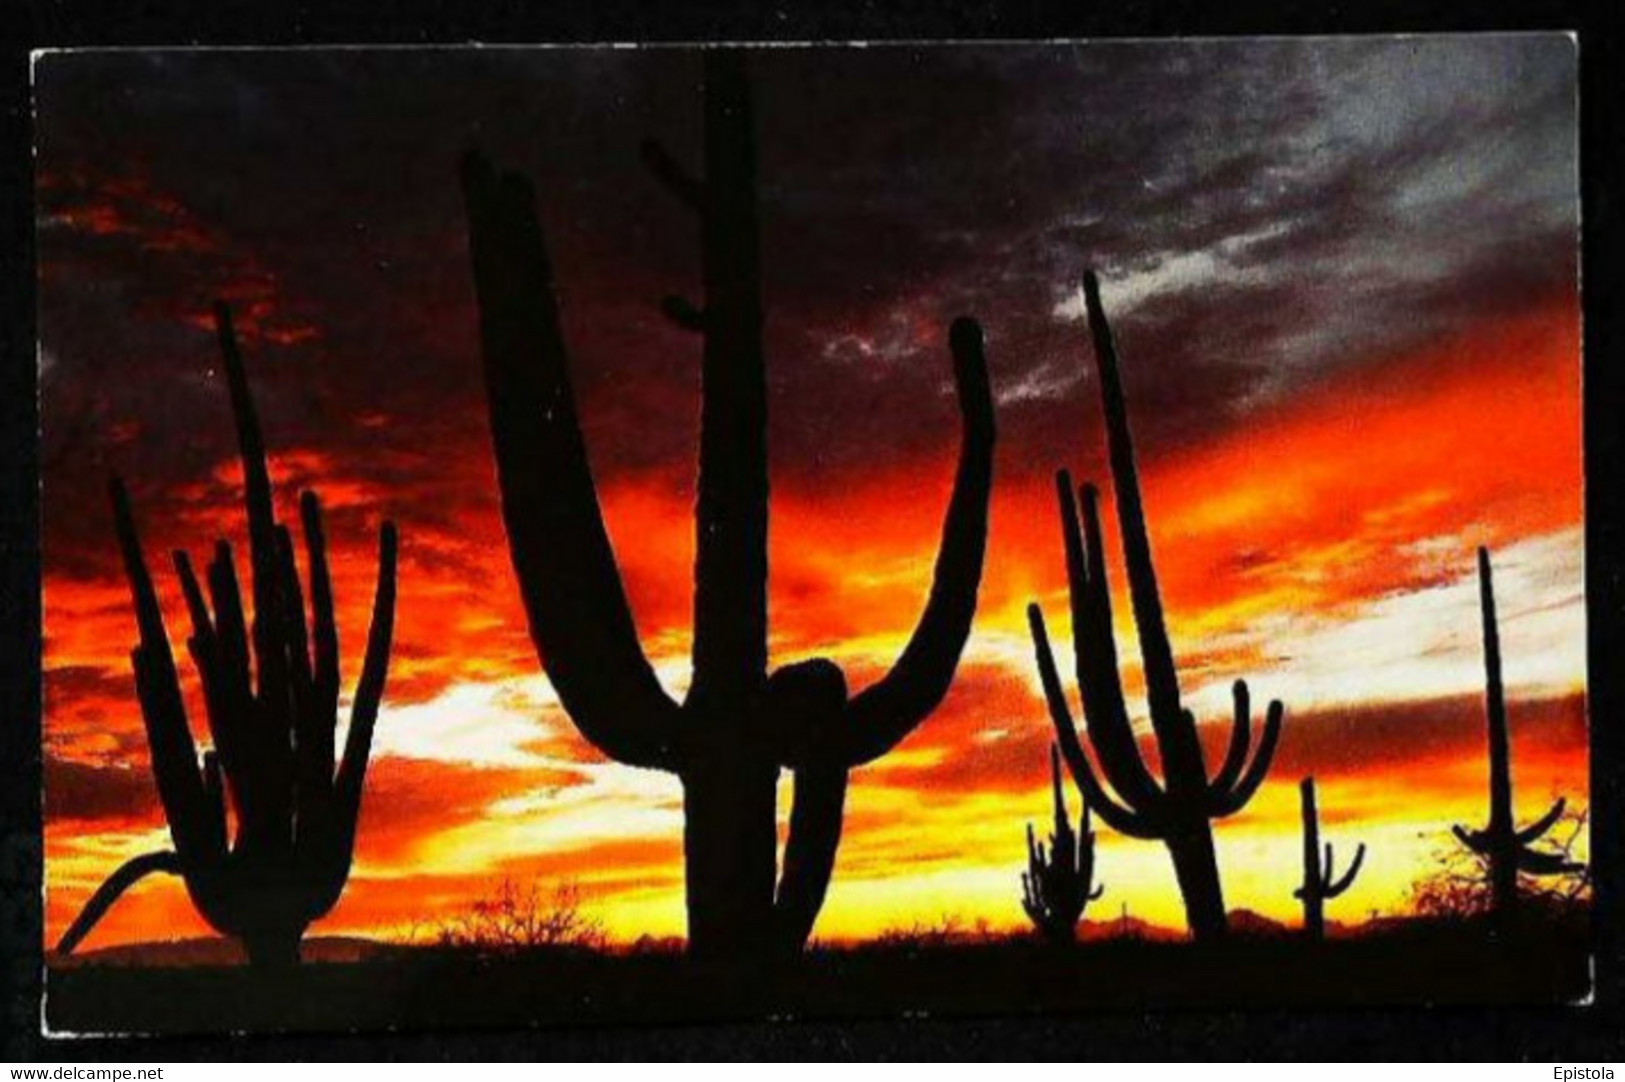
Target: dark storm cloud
80	791
1263	213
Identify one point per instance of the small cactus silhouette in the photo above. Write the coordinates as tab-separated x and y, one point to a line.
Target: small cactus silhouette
1180	808
737	727
1055	888
1508	851
1318	882
272	694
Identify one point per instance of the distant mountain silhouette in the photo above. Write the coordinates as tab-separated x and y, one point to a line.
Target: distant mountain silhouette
1129	928
1250	923
1373	926
1244	922
219	951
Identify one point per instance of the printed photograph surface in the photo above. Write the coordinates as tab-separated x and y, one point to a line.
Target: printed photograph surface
559	536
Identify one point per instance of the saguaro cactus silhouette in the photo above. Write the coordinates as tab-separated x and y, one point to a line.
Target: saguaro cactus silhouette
1179	810
1507	850
1318	881
736	728
272	697
1055	888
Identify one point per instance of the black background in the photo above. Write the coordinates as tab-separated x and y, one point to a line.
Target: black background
1574	1035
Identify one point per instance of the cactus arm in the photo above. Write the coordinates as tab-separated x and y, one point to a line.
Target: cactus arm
1094	895
809	851
324	626
230	626
239	737
1228	803
127	875
263	706
205	647
1095	646
250	441
1539	827
174	756
1534	862
319	718
1235	756
806	703
1337	887
1086	567
294	633
1030	901
1057	797
1476	840
316	716
313	776
574	599
884	713
1161	678
269	605
329	813
1141	824
370	690
202	623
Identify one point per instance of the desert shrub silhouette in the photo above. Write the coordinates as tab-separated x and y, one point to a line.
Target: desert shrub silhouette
1179	810
272	695
737	727
1319	881
1058	884
514	918
1507	851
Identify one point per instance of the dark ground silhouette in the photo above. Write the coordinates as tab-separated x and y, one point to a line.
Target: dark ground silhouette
1400	963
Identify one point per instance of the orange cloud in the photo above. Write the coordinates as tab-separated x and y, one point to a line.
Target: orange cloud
1307	515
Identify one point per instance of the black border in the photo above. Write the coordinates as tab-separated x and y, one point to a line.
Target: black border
1575	1035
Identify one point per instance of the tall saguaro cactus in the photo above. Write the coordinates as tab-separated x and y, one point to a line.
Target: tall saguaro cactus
1056	887
271	691
1319	882
737	727
1507	850
1180	808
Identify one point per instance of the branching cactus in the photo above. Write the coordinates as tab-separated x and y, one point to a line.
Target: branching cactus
271	691
736	728
1507	850
1179	809
1055	888
1319	882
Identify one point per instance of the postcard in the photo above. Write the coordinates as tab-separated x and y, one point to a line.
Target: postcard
561	536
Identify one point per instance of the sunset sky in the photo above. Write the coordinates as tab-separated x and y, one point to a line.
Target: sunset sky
1343	277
